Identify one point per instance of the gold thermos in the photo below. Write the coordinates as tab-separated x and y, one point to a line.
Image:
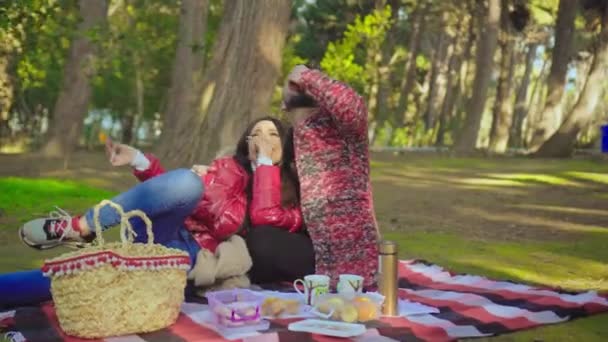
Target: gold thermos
387	277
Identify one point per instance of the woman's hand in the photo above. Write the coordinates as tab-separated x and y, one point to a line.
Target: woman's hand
119	154
200	170
259	146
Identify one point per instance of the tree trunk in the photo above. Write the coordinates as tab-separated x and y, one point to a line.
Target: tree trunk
73	101
503	110
453	79
240	80
562	51
418	26
438	77
533	108
186	74
6	93
465	71
486	47
385	70
561	144
521	108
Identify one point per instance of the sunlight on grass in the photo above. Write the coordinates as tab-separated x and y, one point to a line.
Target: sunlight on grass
527	220
491	182
589	176
535	178
551	264
560	209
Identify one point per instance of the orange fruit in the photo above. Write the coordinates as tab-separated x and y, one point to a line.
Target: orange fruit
367	311
361	299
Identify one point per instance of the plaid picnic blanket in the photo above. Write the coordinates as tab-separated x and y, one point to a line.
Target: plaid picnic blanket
469	306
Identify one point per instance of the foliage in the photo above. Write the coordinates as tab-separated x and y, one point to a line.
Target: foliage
46	41
136	45
348	59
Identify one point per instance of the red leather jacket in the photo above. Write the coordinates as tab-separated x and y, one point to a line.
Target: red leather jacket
221	211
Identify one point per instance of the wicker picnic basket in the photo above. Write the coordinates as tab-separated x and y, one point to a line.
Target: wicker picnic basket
118	288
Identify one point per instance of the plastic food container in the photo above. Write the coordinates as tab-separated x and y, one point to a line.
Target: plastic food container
360	308
236	308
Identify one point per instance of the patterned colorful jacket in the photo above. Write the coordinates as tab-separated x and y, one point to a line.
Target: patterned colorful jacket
332	158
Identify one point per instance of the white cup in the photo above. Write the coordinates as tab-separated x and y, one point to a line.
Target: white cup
314	286
350	284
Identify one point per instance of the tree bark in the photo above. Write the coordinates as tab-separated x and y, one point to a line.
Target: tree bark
556	82
6	93
457	53
418	26
384	72
240	80
521	109
561	144
438	81
465	73
187	72
73	101
503	109
467	141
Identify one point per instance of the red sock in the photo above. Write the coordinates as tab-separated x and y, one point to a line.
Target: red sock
76	224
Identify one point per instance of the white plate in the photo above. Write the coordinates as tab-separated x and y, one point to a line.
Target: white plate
329	328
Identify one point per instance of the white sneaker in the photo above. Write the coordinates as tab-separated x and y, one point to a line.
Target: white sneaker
53	231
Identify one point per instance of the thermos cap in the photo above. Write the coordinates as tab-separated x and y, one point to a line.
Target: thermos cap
387	247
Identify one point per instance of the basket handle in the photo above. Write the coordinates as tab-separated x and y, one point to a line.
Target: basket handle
126	229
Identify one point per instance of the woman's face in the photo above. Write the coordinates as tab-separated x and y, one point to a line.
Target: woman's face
267	138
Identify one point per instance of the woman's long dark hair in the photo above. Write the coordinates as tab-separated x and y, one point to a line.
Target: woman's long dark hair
290	186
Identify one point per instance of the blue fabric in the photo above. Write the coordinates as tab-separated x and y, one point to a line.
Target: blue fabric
166	199
24	288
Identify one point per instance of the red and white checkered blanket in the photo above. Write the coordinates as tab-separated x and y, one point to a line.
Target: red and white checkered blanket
469	306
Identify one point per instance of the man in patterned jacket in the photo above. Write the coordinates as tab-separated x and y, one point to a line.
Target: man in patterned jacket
332	159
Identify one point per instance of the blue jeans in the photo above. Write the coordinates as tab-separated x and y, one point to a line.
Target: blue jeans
166	199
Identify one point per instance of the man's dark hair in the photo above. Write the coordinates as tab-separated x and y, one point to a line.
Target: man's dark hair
301	101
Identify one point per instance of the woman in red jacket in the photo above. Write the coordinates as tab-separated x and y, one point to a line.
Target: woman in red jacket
200	213
278	242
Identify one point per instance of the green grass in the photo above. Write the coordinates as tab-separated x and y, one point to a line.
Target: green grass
25	199
580	265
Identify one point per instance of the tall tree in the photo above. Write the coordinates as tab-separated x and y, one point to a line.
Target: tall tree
407	85
239	81
561	144
521	109
486	47
389	56
187	71
556	82
438	81
6	86
503	110
459	50
72	104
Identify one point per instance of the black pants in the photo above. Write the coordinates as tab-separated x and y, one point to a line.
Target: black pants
279	255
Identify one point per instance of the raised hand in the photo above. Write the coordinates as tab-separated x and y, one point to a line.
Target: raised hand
119	154
292	83
200	170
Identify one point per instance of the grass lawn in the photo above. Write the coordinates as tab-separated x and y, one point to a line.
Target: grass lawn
534	221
